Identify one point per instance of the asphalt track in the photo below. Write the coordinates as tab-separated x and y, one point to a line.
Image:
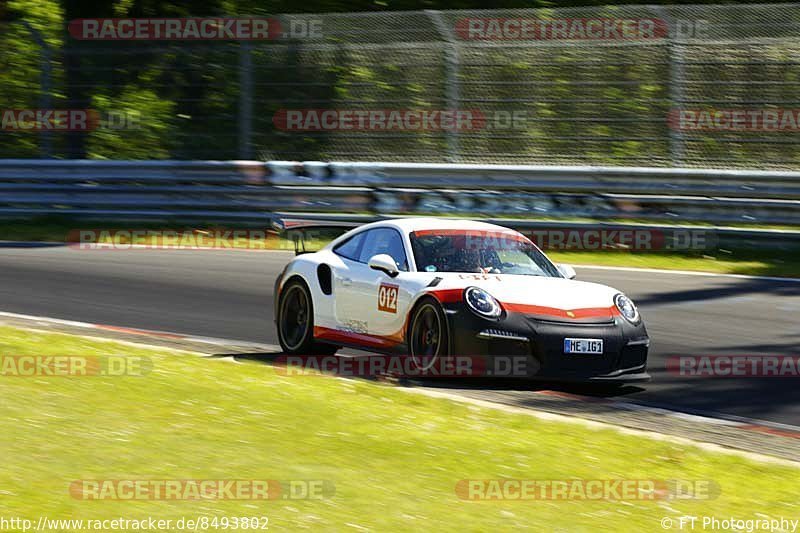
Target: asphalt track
228	294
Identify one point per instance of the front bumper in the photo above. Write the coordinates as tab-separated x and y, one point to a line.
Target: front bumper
625	375
539	341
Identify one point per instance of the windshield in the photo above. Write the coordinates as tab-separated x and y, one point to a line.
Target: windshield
479	252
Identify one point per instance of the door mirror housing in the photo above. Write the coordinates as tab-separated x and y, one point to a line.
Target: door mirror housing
385	264
567	271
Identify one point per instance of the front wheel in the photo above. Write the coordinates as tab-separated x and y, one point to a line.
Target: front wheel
428	338
296	321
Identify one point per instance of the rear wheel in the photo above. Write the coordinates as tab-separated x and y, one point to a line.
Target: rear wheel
428	334
296	321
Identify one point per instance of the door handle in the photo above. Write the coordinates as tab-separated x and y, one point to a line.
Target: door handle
346	282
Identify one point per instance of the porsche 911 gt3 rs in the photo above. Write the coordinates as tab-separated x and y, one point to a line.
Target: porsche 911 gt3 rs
443	288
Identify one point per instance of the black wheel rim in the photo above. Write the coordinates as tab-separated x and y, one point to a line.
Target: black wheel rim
294	317
426	337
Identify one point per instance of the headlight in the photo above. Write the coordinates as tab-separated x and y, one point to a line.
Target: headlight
626	307
482	303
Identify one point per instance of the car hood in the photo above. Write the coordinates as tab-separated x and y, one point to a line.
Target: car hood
527	293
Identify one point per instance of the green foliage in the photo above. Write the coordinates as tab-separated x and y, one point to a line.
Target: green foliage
583	102
139	129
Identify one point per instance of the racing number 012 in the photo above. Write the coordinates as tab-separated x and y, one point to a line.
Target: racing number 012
387	298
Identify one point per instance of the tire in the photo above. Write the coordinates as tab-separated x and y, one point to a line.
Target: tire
296	322
428	334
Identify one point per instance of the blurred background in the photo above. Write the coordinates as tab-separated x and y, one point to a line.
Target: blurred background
565	127
573	101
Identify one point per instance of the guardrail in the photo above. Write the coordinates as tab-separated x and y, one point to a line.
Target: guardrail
249	191
583	179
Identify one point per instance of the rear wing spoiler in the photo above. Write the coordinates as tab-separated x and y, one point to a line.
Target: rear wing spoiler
302	232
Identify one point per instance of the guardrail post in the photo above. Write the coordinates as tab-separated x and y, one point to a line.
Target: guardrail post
452	66
245	100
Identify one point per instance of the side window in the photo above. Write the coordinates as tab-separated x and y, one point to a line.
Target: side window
350	248
384	241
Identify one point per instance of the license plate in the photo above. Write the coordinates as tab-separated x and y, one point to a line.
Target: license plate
590	346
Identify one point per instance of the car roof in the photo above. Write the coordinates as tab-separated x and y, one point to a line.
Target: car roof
410	224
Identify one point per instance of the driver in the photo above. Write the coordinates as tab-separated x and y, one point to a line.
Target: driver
491	261
481	261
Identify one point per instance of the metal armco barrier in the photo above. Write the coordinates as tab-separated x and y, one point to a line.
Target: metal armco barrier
251	191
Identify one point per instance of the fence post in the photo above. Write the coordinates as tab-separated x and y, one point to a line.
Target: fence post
676	144
676	94
245	100
45	82
452	67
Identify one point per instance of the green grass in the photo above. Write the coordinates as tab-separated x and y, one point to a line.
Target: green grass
394	458
56	229
750	262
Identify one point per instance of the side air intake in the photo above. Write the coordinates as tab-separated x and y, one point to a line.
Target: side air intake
324	278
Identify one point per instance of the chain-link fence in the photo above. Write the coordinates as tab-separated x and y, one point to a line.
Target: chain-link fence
711	86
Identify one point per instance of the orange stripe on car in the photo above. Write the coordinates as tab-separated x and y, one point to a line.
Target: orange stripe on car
362	339
492	234
456	295
587	312
448	296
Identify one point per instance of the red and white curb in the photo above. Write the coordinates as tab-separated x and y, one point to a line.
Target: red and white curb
167	335
707	418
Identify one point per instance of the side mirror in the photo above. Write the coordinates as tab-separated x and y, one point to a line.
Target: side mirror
567	271
384	263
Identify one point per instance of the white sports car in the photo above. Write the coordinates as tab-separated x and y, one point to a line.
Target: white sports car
438	288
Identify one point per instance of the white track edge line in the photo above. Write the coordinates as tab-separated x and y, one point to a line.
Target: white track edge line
110	327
